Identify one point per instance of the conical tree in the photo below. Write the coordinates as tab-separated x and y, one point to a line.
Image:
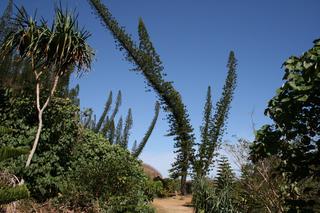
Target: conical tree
225	176
224	195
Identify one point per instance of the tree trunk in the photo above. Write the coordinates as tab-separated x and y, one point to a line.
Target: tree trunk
40	113
36	141
183	187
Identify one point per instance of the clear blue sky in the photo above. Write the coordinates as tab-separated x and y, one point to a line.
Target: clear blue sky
193	39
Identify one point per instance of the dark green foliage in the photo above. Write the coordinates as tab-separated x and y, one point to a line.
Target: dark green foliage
147	61
294	136
137	149
107	174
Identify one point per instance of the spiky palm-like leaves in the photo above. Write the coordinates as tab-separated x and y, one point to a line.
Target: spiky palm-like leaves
148	62
56	50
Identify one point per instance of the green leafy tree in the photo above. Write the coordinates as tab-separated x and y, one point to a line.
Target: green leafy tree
47	49
294	136
148	62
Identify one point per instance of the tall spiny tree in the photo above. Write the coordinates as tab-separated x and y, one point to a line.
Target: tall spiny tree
137	148
104	113
217	124
118	133
148	62
126	130
107	122
205	135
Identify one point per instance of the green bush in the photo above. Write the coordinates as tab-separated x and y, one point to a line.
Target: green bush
107	174
60	133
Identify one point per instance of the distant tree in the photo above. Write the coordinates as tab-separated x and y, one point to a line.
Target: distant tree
294	137
214	125
148	62
47	51
117	133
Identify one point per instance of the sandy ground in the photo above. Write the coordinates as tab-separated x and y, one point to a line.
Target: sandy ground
173	205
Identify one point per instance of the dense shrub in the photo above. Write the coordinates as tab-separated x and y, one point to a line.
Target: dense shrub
60	132
105	174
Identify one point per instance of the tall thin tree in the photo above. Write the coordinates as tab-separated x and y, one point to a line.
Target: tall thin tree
148	62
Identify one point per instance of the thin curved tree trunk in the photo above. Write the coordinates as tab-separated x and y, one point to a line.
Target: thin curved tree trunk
40	113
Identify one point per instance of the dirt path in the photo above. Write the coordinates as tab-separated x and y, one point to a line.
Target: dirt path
173	205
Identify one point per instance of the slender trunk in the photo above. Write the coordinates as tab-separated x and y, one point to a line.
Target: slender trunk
40	113
36	141
183	187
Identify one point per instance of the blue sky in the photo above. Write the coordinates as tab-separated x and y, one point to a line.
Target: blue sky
193	39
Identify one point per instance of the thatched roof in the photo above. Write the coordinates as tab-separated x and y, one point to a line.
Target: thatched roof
151	171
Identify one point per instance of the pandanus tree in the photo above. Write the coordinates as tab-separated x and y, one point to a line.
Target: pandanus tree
54	51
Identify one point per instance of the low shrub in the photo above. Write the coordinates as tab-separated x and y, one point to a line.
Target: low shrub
105	174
